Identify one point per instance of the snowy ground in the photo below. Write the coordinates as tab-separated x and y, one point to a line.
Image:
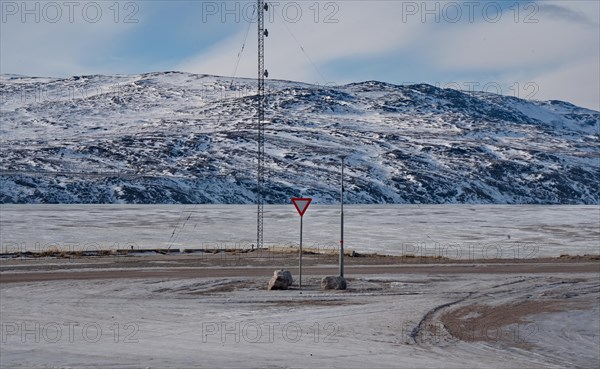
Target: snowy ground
463	232
381	321
427	319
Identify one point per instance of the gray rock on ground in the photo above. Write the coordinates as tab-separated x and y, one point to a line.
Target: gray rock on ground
281	280
333	283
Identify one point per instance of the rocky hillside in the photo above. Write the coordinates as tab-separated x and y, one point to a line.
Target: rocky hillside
184	138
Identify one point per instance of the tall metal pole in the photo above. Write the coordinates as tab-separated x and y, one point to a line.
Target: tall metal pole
300	258
260	11
342	222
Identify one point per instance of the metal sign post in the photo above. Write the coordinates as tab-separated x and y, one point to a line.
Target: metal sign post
301	205
300	256
342	222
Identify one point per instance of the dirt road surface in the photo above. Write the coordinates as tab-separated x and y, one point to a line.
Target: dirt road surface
35	271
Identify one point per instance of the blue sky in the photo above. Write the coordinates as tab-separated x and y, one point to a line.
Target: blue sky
542	50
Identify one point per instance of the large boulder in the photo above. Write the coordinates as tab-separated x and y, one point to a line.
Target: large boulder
333	283
281	280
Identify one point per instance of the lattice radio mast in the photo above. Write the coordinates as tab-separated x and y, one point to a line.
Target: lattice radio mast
262	8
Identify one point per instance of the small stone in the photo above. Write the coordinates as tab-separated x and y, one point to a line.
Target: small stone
281	280
333	283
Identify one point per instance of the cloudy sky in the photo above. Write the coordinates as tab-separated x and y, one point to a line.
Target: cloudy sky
531	49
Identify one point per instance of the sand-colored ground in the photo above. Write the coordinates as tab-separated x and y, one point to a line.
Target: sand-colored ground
256	264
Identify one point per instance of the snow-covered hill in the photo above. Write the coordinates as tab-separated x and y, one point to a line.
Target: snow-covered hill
184	138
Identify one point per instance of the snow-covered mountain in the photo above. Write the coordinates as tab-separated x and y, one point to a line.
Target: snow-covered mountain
184	138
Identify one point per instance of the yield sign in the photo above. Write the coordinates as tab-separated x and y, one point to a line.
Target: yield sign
301	204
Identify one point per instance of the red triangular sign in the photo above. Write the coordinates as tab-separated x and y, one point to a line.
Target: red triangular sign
301	204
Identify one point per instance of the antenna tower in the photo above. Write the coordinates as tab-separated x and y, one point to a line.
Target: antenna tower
262	8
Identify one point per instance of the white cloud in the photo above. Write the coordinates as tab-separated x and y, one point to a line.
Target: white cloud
364	29
559	53
508	45
584	13
58	40
577	82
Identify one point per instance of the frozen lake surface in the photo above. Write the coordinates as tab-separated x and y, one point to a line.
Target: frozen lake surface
456	231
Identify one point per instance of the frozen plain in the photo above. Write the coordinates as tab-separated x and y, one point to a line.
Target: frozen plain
456	231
